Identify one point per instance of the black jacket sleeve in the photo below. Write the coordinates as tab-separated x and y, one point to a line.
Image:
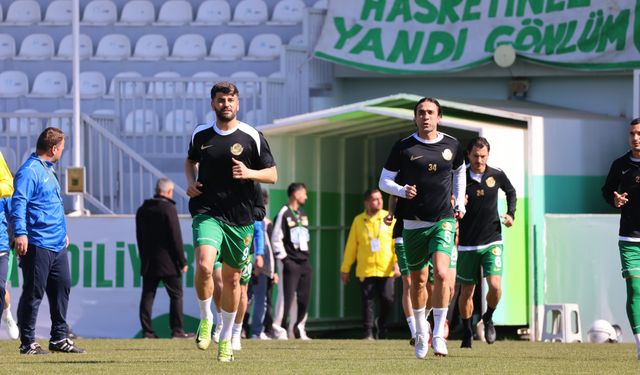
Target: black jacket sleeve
176	236
510	192
612	183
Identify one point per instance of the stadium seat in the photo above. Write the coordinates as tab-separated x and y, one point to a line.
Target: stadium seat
59	12
7	47
137	13
62	123
288	12
65	50
23	13
246	88
127	89
321	4
151	47
166	89
298	41
141	121
264	47
24	125
227	47
180	121
213	12
113	47
13	84
10	158
92	85
201	89
100	12
36	47
189	47
175	13
49	84
250	12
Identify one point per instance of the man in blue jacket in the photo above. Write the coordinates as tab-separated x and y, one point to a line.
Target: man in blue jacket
40	230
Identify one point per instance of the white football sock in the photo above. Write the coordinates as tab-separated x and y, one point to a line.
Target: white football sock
228	319
637	337
411	321
439	318
421	321
205	310
237	329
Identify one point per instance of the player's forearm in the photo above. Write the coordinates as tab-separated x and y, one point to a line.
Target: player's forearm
459	187
190	171
393	202
388	184
266	176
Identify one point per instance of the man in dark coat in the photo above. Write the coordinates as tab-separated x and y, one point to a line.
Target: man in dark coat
161	257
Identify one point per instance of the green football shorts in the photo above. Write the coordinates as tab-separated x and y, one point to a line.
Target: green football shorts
469	262
232	242
629	258
420	244
245	276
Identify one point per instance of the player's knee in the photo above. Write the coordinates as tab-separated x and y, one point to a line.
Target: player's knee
441	275
204	268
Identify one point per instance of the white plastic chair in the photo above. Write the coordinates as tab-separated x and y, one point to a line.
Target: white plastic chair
189	47
250	12
288	12
201	89
127	89
100	12
175	13
137	13
298	41
36	47
49	84
65	50
165	89
23	13
10	158
321	4
180	121
92	85
13	84
141	121
246	88
113	47
24	125
151	47
213	12
59	12
227	47
264	47
7	47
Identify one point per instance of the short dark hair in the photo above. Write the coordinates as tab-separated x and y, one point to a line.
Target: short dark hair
293	187
635	121
49	138
479	142
226	88
370	192
430	100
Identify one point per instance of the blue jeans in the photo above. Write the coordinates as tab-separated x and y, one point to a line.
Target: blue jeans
259	305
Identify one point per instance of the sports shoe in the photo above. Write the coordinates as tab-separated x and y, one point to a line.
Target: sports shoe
203	335
280	333
301	333
422	346
467	342
216	332
235	342
439	347
225	352
65	346
480	330
33	348
489	332
182	335
10	326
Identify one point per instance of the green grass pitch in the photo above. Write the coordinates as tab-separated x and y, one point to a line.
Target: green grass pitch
164	356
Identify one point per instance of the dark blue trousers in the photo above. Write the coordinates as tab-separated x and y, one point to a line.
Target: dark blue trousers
4	267
44	271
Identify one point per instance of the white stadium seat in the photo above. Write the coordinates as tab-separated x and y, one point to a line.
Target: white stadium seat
63	123
298	41
175	13
23	13
13	84
141	121
201	89
166	89
113	47
288	12
264	47
49	84
59	12
189	47
10	158
151	47
24	125
100	12
321	4
7	47
213	12
65	50
127	89
245	88
180	121
92	85
227	47
250	12
36	47
137	13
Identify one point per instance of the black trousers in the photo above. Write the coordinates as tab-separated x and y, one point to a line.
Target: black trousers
173	285
44	271
382	287
297	281
268	316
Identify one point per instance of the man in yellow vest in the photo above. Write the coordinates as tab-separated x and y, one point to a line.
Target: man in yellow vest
371	246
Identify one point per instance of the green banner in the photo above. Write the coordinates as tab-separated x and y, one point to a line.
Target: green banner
418	36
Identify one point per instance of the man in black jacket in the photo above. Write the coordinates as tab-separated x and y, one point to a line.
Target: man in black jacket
161	257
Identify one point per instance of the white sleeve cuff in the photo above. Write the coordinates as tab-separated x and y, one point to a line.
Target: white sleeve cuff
388	184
